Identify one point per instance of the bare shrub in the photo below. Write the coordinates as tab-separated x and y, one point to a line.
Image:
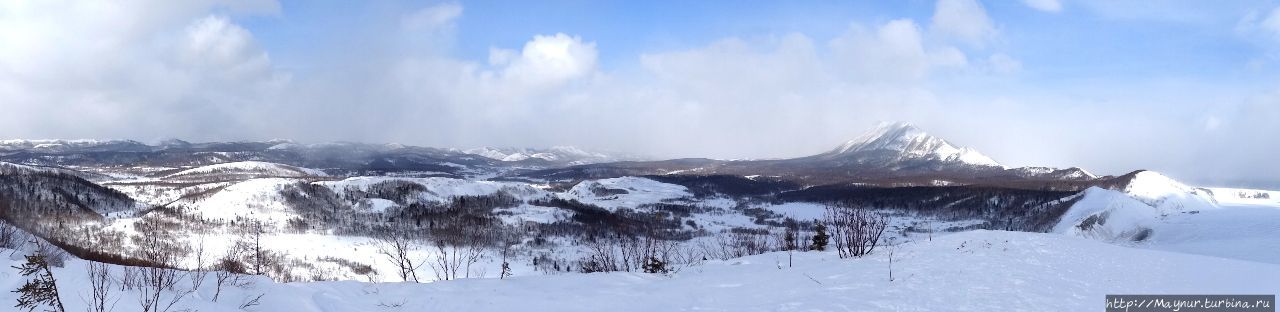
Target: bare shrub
737	244
157	281
855	231
629	254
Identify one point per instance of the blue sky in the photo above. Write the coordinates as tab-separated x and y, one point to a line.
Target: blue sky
1082	42
1186	87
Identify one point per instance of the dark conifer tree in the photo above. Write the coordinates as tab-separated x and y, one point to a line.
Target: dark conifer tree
820	238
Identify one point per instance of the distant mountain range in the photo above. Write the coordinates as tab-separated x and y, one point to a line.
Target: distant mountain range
895	154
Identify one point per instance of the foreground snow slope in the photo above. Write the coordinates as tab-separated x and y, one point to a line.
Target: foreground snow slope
970	271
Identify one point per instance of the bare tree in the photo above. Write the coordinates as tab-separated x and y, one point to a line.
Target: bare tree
455	254
99	287
200	271
855	231
396	247
258	255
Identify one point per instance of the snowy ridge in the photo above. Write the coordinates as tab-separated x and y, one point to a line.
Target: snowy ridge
1167	194
1108	215
911	143
554	154
1073	173
12	168
58	144
250	167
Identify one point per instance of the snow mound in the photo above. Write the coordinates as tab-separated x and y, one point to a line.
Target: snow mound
1108	216
254	168
1167	194
624	192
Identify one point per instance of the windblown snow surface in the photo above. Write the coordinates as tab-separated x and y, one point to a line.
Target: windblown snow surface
970	271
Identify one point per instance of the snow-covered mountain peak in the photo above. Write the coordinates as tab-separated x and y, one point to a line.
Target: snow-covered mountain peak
910	143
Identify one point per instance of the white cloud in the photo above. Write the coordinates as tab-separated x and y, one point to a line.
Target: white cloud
432	18
964	20
1044	5
551	60
161	66
894	51
214	44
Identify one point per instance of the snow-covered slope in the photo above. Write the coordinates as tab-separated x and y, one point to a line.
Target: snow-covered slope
1167	194
254	199
12	168
1108	216
906	142
972	271
624	192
